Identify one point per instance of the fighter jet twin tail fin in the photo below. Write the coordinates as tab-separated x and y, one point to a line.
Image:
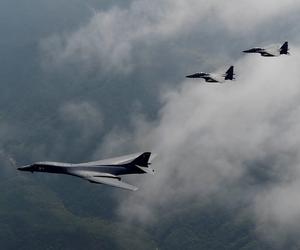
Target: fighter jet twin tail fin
229	75
284	49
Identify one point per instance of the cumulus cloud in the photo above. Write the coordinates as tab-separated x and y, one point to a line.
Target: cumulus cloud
278	212
79	125
83	114
239	138
110	39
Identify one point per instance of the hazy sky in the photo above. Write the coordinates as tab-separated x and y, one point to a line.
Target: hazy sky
237	141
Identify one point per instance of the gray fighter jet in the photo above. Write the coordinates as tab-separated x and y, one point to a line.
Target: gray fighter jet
271	51
215	77
100	172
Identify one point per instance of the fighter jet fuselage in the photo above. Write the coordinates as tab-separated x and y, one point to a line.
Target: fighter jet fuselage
270	51
215	77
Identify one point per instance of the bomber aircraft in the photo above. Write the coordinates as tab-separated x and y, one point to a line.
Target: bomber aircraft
270	51
100	172
215	77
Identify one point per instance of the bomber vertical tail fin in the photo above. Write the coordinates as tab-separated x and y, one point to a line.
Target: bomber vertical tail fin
142	162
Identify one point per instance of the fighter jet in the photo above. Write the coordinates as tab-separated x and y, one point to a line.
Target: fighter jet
215	77
100	172
271	51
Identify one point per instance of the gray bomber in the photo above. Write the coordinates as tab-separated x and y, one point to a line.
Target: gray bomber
100	172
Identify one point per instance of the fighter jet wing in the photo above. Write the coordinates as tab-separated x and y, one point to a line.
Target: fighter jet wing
210	79
270	51
266	53
115	182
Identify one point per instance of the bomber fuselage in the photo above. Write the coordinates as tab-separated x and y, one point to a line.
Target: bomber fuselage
72	169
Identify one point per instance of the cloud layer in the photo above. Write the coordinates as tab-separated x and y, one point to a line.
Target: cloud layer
237	141
240	138
110	40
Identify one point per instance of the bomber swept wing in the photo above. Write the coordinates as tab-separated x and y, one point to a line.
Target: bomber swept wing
115	182
103	178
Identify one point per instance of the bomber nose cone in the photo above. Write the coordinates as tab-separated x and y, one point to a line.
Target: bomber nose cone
189	76
24	168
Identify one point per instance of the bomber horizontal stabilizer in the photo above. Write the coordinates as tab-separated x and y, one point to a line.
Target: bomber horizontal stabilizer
146	169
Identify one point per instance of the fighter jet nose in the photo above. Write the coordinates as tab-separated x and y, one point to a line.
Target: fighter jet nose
254	50
196	75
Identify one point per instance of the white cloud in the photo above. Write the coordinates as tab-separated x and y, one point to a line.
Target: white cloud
209	137
278	212
83	114
111	38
